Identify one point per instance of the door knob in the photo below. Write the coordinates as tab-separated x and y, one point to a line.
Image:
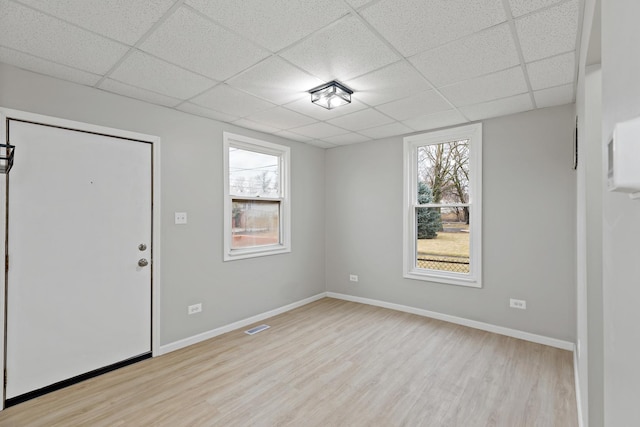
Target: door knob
143	262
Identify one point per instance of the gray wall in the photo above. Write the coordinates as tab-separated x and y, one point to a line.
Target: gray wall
621	239
529	226
192	266
529	214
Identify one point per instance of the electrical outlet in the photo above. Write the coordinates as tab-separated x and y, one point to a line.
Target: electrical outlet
518	303
180	217
195	308
353	277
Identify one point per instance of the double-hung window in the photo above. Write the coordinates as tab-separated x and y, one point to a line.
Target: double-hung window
442	206
256	200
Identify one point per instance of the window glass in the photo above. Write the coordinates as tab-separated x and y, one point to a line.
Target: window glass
442	239
442	234
444	169
253	174
255	223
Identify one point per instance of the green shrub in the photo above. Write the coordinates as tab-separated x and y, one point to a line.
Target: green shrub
428	218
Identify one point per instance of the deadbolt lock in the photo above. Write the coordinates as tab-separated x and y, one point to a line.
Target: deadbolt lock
142	247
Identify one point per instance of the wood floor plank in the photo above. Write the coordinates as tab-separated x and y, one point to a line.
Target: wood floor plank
329	363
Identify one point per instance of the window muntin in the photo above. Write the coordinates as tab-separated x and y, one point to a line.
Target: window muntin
257	213
442	206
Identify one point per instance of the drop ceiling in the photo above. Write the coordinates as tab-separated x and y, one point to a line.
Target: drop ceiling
414	65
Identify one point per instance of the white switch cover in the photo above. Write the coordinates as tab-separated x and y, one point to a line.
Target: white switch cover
181	217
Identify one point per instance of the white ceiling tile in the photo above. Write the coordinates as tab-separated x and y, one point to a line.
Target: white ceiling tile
197	44
417	25
427	102
261	127
499	107
321	144
521	7
274	24
487	88
554	96
32	63
358	3
197	110
384	131
434	121
549	32
35	33
305	106
464	48
388	84
347	138
319	130
147	72
138	93
276	81
122	20
480	53
293	136
362	119
341	51
281	118
554	71
231	101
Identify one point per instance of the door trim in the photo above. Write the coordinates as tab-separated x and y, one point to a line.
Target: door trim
5	115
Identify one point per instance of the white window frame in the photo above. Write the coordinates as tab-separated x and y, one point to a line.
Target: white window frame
231	140
411	143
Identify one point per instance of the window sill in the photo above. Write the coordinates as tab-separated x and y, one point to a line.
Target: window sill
470	282
237	254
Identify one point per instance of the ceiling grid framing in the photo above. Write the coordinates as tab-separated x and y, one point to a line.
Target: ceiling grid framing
400	72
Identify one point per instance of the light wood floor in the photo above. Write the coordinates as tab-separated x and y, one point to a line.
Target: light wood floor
329	363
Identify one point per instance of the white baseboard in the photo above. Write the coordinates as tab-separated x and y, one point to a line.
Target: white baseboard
176	345
527	336
576	376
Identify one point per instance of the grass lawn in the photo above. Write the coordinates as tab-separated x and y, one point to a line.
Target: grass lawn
446	244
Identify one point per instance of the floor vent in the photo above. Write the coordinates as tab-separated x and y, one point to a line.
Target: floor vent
257	329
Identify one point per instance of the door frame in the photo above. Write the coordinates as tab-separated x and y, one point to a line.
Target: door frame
5	115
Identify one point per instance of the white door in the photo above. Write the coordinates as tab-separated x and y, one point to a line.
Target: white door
80	206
